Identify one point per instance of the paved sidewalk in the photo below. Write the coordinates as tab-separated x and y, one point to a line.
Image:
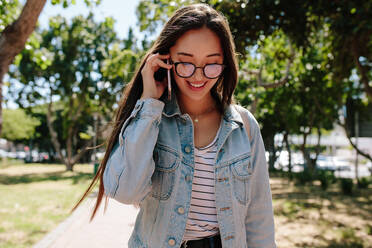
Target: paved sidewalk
111	229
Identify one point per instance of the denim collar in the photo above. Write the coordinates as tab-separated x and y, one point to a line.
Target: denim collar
171	108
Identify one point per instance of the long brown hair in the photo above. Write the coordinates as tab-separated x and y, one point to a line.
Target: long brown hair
184	19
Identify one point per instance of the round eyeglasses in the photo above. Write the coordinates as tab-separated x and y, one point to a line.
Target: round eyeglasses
186	69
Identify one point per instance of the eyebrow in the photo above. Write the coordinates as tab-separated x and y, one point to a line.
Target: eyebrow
190	55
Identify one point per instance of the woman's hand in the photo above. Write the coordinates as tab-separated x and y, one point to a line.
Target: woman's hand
152	88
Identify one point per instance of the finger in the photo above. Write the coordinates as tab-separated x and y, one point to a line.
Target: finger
163	56
160	63
151	57
157	55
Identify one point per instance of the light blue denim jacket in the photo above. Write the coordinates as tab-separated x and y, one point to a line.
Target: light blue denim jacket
152	165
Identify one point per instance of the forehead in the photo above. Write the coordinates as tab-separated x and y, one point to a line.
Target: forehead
199	42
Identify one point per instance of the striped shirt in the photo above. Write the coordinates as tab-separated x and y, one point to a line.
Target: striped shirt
202	217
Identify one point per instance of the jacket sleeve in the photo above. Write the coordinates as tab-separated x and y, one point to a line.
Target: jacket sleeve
259	222
127	176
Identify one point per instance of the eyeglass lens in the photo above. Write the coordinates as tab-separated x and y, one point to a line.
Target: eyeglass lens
188	69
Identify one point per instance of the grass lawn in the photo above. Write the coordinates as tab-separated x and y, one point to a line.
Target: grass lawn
35	198
307	216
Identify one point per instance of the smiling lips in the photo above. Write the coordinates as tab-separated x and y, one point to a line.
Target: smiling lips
196	85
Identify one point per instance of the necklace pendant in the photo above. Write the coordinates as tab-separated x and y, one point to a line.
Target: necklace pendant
196	120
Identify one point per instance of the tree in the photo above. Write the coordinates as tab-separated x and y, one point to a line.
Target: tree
78	71
301	98
344	27
13	38
348	23
18	125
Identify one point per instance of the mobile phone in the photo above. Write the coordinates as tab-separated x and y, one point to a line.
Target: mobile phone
160	75
169	82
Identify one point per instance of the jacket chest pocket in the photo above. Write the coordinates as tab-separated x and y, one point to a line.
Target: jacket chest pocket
166	163
241	178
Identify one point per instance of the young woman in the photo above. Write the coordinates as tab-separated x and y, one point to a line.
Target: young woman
199	176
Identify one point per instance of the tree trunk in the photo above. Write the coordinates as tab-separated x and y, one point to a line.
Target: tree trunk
305	153
71	159
317	149
360	152
363	70
69	145
14	37
53	133
270	147
290	175
69	166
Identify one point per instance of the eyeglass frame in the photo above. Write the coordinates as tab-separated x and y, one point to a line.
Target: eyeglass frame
196	67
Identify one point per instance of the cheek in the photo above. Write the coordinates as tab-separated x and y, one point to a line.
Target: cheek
179	81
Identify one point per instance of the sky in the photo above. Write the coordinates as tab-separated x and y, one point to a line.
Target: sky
123	11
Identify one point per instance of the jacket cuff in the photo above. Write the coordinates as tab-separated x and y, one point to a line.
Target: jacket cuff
148	107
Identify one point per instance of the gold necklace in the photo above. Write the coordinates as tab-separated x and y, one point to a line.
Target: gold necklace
196	117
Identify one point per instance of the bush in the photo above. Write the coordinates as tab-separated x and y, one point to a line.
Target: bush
304	177
346	185
326	178
364	182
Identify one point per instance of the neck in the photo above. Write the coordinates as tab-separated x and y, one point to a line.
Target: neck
195	107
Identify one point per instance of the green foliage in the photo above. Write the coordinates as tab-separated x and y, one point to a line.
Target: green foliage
66	3
290	209
308	100
153	14
364	182
82	67
326	178
349	238
84	136
304	177
346	186
9	10
248	20
17	125
369	230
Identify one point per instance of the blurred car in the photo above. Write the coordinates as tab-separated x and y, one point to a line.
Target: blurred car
297	162
21	154
342	164
36	157
12	155
325	163
3	153
333	163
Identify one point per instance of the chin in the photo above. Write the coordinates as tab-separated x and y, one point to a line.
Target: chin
195	94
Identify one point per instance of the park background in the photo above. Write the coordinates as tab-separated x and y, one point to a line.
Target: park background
304	72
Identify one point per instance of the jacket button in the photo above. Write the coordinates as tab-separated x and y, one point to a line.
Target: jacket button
183	120
171	242
181	210
187	149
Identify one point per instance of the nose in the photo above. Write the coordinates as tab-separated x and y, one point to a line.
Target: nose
198	75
